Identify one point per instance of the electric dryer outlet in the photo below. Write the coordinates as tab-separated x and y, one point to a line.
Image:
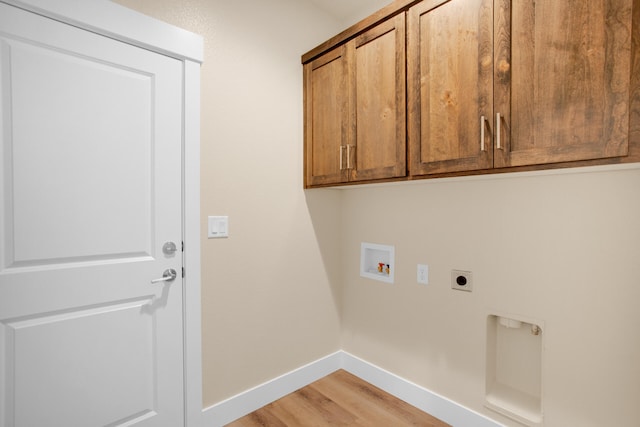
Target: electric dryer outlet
461	280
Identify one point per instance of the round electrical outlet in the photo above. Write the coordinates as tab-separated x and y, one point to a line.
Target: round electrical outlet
461	280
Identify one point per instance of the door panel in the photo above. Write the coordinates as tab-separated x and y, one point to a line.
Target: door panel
89	146
90	189
91	365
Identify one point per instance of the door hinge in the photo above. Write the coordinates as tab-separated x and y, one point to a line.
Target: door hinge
182	246
183	272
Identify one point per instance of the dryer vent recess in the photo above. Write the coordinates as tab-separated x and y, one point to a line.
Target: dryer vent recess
461	280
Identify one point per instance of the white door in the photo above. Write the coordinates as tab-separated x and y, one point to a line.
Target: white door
90	191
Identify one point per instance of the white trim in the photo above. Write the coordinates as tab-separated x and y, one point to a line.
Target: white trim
439	406
120	23
192	247
244	403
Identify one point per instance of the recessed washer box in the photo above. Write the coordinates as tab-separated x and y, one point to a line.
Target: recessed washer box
514	358
377	262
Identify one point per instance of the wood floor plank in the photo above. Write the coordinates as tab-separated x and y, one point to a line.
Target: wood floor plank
404	412
290	412
365	409
340	399
314	408
261	417
372	404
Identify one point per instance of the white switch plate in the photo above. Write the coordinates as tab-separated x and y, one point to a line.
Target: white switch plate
218	226
423	274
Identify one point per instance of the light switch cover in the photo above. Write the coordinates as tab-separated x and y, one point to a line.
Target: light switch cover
218	227
423	274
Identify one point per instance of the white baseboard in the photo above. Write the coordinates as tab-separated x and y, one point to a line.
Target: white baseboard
440	407
242	404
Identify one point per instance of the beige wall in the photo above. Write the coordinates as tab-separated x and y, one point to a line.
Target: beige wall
563	249
284	289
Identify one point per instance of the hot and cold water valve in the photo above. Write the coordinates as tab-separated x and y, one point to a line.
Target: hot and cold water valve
461	280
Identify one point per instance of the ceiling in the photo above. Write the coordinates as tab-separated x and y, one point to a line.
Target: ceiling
350	11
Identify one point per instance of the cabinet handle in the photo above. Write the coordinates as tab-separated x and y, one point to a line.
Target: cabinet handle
498	131
482	120
341	157
348	156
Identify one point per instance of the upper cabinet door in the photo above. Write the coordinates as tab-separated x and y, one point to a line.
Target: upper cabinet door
378	90
450	86
327	127
562	75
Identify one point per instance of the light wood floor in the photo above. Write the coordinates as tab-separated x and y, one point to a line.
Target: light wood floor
339	399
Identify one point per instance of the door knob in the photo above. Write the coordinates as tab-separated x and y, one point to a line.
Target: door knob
169	248
167	276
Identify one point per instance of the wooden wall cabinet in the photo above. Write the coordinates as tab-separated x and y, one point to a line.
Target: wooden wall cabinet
491	86
355	108
501	83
